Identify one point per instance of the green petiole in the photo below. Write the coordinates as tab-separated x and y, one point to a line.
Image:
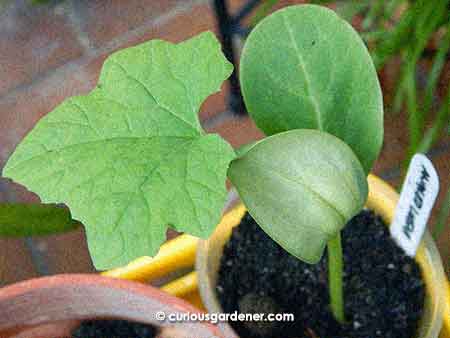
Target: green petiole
335	277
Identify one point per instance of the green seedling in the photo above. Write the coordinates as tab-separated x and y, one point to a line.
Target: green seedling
131	159
309	83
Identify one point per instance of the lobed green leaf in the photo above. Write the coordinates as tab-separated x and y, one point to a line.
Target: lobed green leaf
130	158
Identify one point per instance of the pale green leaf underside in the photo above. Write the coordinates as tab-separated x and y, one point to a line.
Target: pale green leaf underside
304	67
130	158
302	187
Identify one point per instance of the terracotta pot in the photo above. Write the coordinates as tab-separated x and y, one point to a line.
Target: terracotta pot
382	199
52	306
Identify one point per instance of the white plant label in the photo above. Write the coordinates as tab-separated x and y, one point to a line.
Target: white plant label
417	198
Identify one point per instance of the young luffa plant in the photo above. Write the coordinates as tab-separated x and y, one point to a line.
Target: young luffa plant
304	67
131	159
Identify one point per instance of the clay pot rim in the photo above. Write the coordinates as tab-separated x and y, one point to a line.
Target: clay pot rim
63	311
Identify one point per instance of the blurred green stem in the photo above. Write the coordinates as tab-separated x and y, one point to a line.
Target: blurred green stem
415	118
435	72
442	217
376	8
391	7
397	38
373	35
425	24
25	220
262	11
442	120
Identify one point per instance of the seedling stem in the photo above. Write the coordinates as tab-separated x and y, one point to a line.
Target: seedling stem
335	268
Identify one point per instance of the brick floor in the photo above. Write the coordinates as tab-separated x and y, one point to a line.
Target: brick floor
65	253
33	40
237	131
50	52
104	20
21	109
15	262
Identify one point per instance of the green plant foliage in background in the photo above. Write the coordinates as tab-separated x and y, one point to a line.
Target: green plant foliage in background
43	2
304	67
24	220
130	158
302	187
407	30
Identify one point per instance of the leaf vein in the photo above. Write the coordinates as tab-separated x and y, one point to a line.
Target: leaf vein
151	95
301	64
311	190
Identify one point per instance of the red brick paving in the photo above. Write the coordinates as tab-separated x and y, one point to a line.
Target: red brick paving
49	53
21	109
15	262
238	131
105	20
66	253
32	41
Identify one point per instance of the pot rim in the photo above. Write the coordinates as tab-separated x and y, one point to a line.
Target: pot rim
382	199
34	307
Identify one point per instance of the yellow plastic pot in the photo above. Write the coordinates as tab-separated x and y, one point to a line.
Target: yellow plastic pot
176	254
382	199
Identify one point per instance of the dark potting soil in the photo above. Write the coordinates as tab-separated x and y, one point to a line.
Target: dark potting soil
113	329
384	291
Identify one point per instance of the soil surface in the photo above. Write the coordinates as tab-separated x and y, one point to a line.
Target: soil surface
384	292
113	329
